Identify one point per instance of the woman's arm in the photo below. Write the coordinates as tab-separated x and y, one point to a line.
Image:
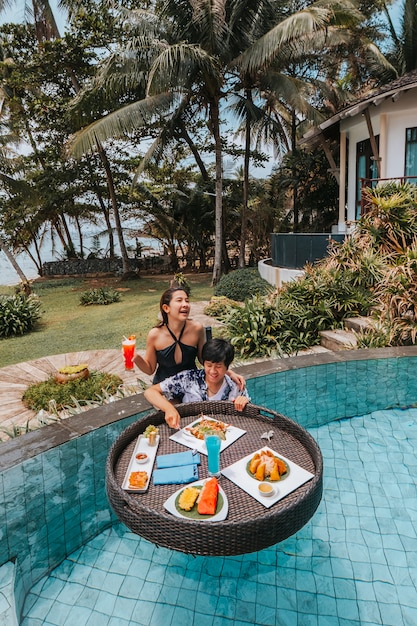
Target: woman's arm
238	379
147	363
201	340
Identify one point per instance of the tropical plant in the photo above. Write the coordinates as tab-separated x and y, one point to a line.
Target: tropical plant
75	392
373	272
18	314
99	295
219	306
242	284
252	328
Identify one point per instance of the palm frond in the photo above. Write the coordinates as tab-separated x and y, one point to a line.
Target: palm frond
119	123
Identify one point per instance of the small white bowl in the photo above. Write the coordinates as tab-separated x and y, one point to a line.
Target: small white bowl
141	457
266	489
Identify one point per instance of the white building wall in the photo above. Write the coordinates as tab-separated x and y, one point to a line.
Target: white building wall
399	115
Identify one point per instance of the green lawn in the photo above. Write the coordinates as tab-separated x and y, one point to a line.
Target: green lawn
66	326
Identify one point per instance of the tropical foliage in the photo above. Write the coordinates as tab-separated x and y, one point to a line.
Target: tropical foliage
372	273
40	396
135	113
242	284
18	314
99	295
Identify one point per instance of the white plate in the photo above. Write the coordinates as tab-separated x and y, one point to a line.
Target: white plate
141	445
237	473
221	514
187	439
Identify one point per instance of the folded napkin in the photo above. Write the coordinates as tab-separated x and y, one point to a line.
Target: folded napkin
177	459
175	475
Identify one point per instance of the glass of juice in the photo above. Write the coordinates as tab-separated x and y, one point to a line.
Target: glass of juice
128	347
213	444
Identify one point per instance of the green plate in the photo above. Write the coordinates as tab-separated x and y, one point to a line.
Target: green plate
194	514
268	480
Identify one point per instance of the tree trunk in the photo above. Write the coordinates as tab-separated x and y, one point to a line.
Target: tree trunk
218	238
294	191
113	200
26	286
245	195
46	15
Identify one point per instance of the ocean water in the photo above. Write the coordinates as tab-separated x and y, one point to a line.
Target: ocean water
8	275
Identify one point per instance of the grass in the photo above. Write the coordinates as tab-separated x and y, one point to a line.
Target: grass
67	326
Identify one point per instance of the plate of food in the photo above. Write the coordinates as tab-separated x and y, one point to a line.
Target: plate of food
245	476
139	471
265	465
206	426
203	501
192	435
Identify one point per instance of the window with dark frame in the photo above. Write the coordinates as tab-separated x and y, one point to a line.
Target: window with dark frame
411	152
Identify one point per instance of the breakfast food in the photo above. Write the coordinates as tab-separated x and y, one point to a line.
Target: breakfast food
207	426
265	465
138	480
188	498
207	500
150	429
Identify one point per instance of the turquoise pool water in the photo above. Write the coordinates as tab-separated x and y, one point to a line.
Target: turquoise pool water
354	563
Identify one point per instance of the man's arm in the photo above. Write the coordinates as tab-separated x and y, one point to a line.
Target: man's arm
155	397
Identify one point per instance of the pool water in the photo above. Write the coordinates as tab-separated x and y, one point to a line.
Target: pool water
354	563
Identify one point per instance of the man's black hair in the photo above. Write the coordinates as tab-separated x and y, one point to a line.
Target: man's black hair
218	351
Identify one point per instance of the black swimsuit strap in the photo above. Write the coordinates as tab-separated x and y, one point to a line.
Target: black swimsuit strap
172	334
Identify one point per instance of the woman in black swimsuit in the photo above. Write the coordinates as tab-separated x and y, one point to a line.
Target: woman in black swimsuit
173	345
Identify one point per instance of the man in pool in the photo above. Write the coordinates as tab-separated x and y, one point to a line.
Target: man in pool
209	383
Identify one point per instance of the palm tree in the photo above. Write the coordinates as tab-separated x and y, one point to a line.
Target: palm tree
46	29
403	50
194	60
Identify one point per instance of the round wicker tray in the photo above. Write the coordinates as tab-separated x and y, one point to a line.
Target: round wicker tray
249	526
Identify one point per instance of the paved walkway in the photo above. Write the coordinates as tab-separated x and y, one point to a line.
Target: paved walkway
15	379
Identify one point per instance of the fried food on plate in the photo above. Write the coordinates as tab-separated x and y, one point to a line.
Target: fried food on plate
138	480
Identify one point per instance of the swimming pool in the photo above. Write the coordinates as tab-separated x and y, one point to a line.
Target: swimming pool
355	562
352	564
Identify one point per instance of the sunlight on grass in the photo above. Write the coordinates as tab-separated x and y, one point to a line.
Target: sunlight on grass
67	326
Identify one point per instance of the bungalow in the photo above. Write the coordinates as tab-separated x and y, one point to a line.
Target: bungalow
377	141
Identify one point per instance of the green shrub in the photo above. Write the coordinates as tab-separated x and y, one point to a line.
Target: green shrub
18	314
81	390
101	295
252	328
219	306
242	284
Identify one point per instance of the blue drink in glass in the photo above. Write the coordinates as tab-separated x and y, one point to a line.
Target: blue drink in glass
213	443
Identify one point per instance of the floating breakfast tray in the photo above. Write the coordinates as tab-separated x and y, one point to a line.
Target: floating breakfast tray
141	446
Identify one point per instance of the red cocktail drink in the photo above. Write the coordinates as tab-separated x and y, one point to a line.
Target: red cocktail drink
128	347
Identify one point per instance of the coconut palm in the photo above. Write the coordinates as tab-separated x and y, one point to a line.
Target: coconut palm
46	29
192	63
403	50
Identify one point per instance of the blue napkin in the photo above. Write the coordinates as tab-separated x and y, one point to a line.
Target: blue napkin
178	459
175	475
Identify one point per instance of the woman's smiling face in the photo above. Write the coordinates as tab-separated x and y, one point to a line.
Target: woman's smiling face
179	305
